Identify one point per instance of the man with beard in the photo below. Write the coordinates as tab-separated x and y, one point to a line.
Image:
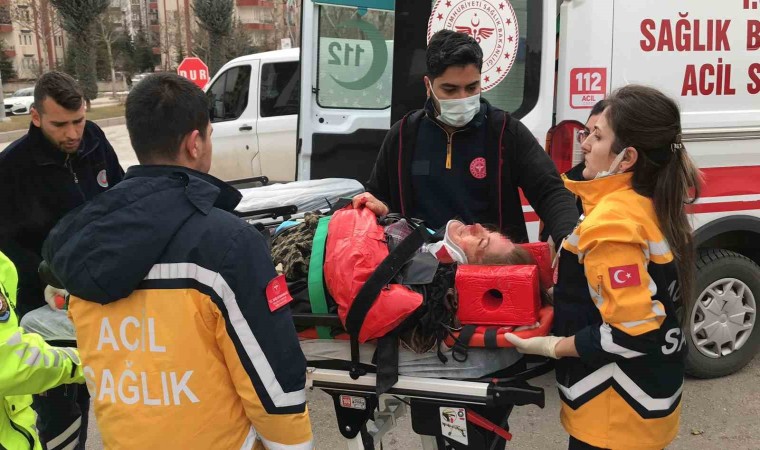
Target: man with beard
62	162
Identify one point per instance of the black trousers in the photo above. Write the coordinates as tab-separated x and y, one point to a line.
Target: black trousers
575	444
63	414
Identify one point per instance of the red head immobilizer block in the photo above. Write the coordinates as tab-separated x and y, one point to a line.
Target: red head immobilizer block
498	295
542	253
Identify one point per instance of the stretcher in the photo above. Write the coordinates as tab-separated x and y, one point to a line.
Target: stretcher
464	403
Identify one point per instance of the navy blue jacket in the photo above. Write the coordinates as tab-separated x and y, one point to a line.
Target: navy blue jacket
410	174
40	184
165	243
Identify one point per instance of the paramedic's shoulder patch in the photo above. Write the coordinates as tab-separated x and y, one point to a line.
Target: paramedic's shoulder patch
5	309
624	276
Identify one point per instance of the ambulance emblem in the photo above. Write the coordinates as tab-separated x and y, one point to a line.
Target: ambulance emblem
493	24
5	309
478	168
102	179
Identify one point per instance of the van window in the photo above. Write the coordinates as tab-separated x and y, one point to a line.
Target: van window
355	58
228	96
280	89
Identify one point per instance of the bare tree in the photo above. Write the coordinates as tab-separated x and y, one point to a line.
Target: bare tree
39	17
108	31
172	37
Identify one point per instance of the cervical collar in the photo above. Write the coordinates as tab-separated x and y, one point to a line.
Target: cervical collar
446	251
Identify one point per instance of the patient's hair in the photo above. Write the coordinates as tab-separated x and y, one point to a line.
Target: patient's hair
518	256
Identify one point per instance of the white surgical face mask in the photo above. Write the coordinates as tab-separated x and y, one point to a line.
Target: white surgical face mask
613	167
457	112
446	250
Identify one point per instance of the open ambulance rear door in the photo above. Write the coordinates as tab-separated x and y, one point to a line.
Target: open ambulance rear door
363	63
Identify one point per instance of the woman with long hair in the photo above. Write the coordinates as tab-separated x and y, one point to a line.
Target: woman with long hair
623	273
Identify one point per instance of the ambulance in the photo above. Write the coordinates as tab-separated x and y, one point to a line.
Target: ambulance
548	62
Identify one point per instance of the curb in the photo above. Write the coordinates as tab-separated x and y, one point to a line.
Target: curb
10	136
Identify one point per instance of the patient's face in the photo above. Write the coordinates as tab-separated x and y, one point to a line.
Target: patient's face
478	243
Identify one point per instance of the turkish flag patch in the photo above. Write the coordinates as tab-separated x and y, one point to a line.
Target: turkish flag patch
624	276
278	294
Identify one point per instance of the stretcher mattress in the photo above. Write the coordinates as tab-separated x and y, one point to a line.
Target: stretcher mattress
310	195
480	362
51	325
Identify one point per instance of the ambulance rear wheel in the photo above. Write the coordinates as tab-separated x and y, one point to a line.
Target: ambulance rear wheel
723	331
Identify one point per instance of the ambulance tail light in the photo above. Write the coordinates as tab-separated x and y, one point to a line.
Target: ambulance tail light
563	146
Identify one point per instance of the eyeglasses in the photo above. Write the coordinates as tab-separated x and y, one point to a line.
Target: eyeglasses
582	135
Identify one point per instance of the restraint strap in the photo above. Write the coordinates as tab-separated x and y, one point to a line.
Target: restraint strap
462	343
489	338
316	283
381	277
386	359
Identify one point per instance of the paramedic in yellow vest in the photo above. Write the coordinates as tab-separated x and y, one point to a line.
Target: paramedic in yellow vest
183	325
27	366
623	273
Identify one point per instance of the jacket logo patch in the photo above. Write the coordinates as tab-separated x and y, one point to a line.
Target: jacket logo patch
478	168
103	178
277	293
5	311
624	276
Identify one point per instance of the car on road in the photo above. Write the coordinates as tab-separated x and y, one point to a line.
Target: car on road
20	102
139	77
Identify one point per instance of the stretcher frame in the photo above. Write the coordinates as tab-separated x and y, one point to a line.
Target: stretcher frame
501	394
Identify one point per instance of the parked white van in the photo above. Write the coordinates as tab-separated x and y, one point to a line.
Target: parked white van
253	103
549	73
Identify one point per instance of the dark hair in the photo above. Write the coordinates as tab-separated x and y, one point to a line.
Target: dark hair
649	121
448	48
598	108
161	110
61	87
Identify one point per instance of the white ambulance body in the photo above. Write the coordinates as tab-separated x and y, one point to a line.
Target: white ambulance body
704	54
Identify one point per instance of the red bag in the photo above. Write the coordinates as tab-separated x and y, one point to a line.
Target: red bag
355	247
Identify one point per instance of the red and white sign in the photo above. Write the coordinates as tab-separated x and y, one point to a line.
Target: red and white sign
587	87
349	401
278	294
493	24
624	276
194	70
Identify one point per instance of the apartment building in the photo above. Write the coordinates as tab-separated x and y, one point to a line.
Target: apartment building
32	36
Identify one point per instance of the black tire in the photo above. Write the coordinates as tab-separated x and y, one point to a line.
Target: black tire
713	265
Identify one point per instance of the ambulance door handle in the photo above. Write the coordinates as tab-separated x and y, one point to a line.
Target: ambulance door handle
246	128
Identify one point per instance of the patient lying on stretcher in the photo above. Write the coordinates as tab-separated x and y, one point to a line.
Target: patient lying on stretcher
423	300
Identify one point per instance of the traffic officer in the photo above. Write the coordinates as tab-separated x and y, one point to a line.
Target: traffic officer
28	366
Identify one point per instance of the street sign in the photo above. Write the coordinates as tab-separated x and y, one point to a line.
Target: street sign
194	70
